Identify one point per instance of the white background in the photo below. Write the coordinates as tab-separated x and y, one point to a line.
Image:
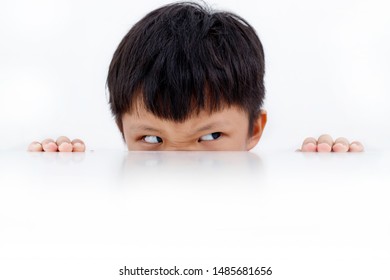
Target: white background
327	68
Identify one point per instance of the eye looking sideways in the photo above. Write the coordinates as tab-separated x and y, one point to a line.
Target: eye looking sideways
152	139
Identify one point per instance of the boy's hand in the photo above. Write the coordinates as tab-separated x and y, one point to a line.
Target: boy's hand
63	144
325	143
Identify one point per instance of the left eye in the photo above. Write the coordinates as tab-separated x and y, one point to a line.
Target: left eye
211	136
151	139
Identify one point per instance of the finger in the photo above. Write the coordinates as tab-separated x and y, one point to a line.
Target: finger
64	144
35	147
341	145
309	145
325	143
78	145
356	146
49	145
62	139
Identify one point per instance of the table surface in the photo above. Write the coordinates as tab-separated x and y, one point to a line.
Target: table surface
87	215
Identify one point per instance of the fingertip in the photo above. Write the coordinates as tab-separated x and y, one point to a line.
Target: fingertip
49	147
309	147
78	147
65	147
325	135
324	148
356	147
326	142
62	139
339	148
35	147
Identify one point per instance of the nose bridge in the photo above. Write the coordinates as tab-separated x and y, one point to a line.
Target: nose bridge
182	147
180	139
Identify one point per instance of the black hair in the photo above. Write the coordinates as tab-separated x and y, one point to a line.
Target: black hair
184	57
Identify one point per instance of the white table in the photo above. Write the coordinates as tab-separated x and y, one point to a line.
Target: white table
87	215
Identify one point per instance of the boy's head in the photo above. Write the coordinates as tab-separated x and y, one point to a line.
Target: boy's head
187	78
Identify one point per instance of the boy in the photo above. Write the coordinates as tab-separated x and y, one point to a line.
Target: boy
188	78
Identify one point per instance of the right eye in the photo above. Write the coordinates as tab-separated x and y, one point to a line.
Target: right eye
151	139
211	136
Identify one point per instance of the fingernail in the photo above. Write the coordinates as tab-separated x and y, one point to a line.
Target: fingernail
354	148
309	147
324	147
46	147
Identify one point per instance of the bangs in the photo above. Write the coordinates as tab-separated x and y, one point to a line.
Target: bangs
177	106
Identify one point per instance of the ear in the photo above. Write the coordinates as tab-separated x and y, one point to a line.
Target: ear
258	127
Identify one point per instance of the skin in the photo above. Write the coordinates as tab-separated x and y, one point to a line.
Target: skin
325	143
145	132
194	134
62	144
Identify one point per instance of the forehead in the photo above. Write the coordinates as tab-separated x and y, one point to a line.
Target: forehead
227	115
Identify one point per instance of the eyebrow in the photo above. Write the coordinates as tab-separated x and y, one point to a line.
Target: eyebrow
209	126
144	127
152	129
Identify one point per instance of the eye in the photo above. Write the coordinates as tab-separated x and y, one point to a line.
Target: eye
211	136
152	139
